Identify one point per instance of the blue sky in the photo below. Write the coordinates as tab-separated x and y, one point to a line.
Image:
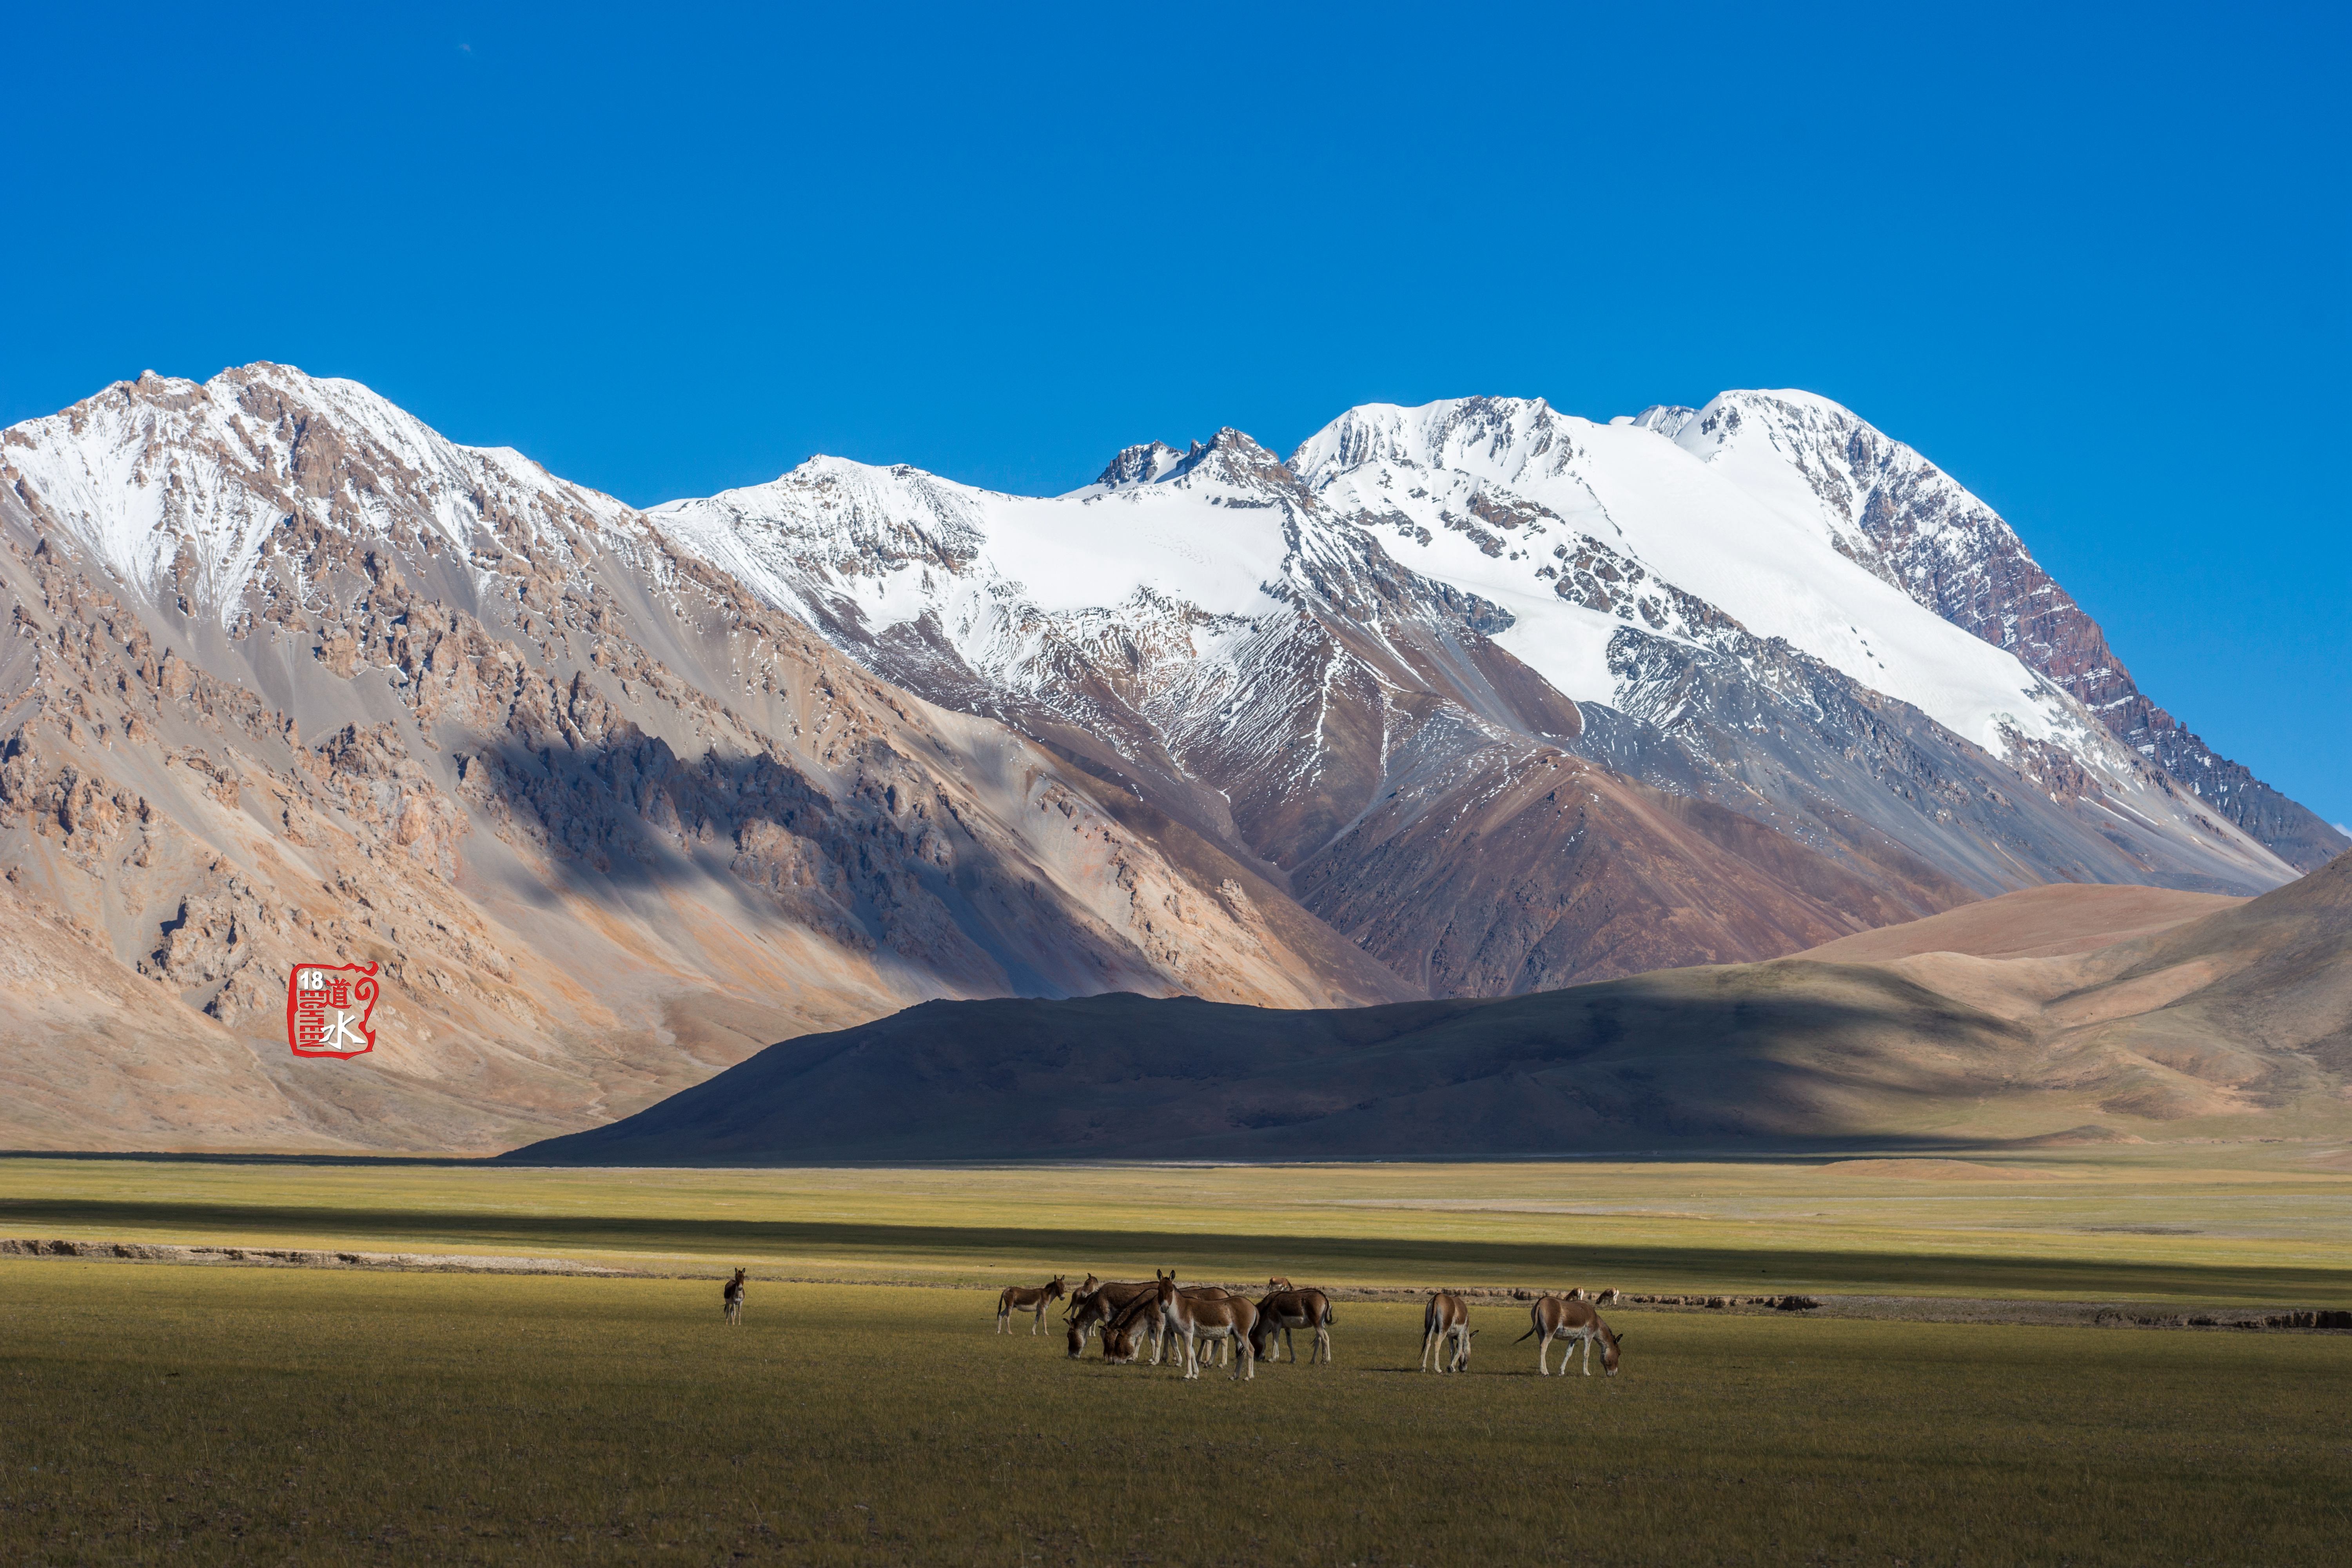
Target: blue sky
2091	261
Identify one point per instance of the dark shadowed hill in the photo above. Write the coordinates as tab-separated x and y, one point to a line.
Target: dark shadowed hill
1705	1054
2233	1024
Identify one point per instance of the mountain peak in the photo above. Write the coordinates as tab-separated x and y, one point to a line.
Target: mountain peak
1141	464
1230	456
1666	418
1234	458
1458	432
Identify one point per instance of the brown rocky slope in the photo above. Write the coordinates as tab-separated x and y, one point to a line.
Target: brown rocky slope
290	678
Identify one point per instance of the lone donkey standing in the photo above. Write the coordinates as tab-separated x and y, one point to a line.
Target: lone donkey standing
734	1296
1027	1298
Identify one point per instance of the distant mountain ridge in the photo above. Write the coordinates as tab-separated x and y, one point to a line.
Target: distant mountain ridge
1459	702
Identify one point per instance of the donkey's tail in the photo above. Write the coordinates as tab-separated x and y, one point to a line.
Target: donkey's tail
1328	1318
1525	1338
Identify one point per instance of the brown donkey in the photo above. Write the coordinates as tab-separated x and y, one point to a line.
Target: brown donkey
1446	1319
1571	1320
1203	1317
1027	1298
1141	1315
734	1298
1283	1310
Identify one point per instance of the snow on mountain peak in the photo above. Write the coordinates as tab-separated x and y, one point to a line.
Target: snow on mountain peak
179	486
1666	418
1695	518
1497	435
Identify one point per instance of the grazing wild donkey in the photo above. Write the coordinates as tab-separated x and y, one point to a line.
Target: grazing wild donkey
1283	1310
1278	1283
1122	1340
1571	1320
1205	1317
1141	1315
1448	1317
1027	1298
1098	1303
734	1296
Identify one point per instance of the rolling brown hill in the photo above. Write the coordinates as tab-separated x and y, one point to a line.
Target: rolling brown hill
2231	1023
2034	922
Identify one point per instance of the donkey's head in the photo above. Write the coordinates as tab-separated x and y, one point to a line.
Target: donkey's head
1608	1346
1056	1290
1461	1349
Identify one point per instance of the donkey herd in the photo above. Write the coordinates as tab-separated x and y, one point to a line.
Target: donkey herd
1133	1314
1210	1320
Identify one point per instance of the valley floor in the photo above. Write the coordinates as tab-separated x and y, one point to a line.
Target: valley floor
866	1412
227	1414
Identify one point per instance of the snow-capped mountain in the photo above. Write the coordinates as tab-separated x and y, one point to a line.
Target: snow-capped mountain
1347	664
1466	700
1896	514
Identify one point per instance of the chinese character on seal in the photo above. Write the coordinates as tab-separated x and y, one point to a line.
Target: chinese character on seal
327	1008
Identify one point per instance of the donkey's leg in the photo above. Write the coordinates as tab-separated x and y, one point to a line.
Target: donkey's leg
1543	1349
1322	1346
1588	1355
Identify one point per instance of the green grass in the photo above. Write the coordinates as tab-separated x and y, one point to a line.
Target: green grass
200	1414
2238	1224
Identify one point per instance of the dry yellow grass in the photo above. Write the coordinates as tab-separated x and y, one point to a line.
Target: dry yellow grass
2244	1224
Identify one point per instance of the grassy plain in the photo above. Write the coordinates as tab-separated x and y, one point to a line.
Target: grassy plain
196	1414
2246	1224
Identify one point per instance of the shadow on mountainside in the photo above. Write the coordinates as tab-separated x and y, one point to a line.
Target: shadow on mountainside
2245	1011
